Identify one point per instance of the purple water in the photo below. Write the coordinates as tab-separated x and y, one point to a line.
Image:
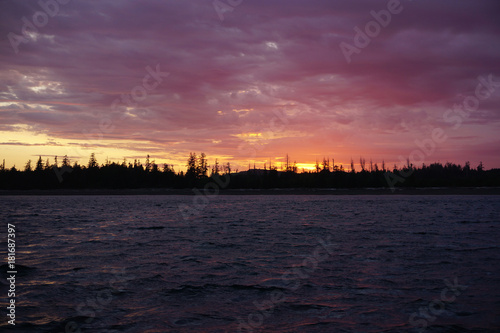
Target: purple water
254	263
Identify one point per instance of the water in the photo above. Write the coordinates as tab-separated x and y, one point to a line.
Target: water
263	263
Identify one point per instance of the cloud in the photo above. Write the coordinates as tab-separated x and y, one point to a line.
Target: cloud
265	56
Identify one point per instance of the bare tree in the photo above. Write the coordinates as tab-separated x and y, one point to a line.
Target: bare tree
362	162
326	164
227	168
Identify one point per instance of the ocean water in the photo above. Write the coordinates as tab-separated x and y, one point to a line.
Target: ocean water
270	263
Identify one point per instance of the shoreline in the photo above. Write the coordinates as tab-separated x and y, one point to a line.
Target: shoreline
277	191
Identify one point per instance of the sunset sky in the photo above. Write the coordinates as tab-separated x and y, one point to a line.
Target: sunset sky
250	81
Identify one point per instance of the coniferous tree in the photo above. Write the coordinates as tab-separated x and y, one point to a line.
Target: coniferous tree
216	167
27	167
66	161
148	164
92	162
113	175
192	166
154	167
47	165
202	167
39	164
167	168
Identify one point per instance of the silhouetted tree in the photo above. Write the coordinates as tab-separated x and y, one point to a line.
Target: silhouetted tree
114	175
147	164
215	168
39	164
66	161
202	167
167	168
92	162
154	167
362	163
326	164
27	167
47	165
227	168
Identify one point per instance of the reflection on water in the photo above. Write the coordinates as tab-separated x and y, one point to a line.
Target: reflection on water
255	263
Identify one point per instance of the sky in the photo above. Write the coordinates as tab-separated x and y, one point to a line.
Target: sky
251	81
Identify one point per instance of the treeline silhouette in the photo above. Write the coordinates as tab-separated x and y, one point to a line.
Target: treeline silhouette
133	175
